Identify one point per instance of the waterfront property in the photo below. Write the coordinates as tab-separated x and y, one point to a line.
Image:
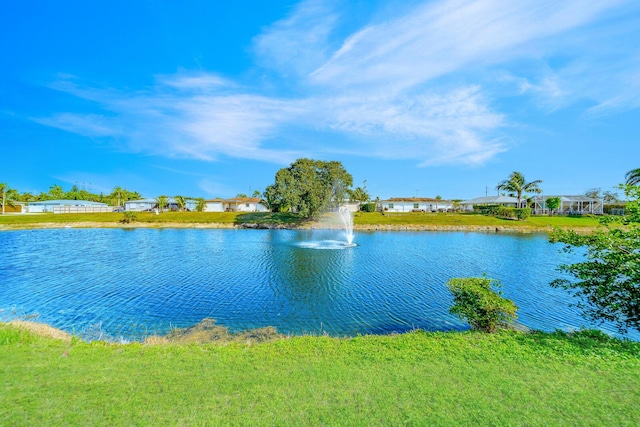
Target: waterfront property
416	204
151	204
66	206
569	205
244	204
489	201
214	205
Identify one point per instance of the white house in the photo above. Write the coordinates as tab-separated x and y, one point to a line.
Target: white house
151	204
66	206
140	205
244	204
416	204
214	205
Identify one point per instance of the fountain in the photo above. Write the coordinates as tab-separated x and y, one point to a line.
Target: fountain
347	222
341	218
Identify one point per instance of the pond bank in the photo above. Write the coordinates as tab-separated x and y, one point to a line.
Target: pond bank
309	226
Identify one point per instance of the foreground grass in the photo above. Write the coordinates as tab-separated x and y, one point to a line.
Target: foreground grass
372	219
416	378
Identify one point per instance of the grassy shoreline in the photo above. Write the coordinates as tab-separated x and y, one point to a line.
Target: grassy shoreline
415	378
362	221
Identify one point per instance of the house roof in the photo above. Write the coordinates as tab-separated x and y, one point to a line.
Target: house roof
243	200
490	200
170	200
569	198
68	203
414	200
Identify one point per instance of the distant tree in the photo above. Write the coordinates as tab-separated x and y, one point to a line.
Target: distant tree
633	177
256	194
608	197
200	204
118	194
7	195
181	202
162	202
241	195
553	203
517	185
309	187
56	192
608	282
359	195
26	197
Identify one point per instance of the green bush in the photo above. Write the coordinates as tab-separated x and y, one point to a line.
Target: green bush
479	305
368	207
522	213
129	217
505	212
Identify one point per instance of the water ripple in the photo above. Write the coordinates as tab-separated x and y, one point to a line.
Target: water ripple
126	284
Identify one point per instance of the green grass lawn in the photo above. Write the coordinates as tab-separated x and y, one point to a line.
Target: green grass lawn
467	219
411	379
287	219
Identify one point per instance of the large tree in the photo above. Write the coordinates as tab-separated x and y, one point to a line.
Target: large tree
633	177
517	186
608	282
309	187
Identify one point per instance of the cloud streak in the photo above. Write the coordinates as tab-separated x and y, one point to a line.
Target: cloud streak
411	86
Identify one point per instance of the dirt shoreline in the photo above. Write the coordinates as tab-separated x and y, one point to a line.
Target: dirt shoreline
310	226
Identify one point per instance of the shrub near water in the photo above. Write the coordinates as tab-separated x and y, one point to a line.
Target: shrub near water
481	306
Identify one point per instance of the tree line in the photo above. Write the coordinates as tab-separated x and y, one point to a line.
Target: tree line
117	197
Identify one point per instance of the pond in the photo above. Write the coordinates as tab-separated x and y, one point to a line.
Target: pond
129	283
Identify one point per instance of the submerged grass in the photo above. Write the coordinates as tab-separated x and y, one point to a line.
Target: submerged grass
416	378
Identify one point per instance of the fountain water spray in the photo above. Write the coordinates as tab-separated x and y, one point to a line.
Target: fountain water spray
347	222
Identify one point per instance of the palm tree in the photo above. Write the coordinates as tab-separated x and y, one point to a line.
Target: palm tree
633	177
118	194
181	202
7	195
517	185
359	195
200	204
162	202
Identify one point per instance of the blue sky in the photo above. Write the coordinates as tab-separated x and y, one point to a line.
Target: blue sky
211	98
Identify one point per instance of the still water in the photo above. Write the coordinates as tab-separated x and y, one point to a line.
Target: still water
127	284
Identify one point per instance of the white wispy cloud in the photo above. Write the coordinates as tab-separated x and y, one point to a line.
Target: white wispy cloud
299	43
173	121
412	85
438	38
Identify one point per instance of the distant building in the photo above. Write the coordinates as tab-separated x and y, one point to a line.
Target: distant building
66	206
569	205
489	201
214	205
151	204
416	204
244	204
